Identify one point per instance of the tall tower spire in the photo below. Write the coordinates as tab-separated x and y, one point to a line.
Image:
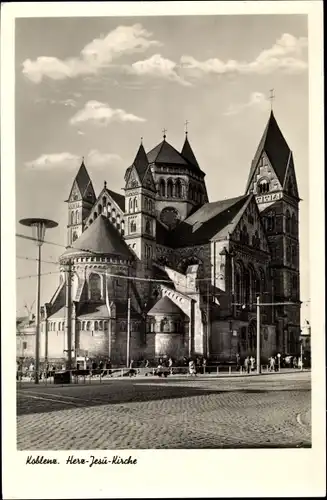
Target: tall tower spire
80	201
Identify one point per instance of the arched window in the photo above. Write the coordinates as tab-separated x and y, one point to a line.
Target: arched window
113	214
293	225
238	296
109	209
77	217
96	327
54	326
95	215
100	325
135	204
178	189
164	326
146	204
75	236
148	227
162	188
271	224
90	221
123	227
133	227
99	209
72	218
104	201
263	186
105	325
130	205
244	236
83	325
288	222
95	286
169	188
88	326
294	256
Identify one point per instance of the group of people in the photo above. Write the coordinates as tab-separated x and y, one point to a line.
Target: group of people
249	364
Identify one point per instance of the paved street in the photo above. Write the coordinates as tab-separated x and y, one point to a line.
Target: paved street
177	412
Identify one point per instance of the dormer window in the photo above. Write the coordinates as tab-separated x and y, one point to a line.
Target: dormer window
263	186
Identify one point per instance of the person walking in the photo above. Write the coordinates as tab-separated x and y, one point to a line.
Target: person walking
170	365
191	368
204	364
247	364
252	361
272	364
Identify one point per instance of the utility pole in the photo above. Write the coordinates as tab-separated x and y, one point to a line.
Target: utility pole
258	336
68	324
208	324
128	331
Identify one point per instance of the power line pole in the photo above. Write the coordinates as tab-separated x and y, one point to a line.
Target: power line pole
258	336
128	331
68	324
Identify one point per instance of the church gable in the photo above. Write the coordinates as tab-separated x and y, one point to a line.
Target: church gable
250	229
148	181
75	194
290	184
133	179
265	178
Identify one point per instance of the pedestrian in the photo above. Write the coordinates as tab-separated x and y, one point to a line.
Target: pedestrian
170	365
31	371
132	372
272	364
191	368
204	364
247	364
252	361
294	362
237	362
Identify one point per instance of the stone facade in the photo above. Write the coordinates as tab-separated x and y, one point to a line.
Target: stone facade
164	240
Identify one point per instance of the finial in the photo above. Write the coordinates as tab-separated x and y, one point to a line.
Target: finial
164	133
186	123
105	184
141	140
271	98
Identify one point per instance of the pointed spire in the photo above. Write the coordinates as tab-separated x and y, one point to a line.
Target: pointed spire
141	161
276	148
187	152
84	183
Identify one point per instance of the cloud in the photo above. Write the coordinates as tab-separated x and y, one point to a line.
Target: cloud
95	56
53	160
100	113
63	160
65	102
257	99
159	67
287	54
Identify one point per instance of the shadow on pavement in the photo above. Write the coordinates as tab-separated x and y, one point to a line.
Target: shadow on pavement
47	399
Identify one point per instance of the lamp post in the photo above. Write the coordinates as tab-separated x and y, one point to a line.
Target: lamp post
38	231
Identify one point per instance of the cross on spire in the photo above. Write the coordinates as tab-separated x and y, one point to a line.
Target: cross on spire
271	98
164	133
186	123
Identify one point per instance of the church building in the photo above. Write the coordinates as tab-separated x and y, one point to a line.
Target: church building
163	271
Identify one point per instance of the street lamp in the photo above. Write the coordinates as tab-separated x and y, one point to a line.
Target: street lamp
38	232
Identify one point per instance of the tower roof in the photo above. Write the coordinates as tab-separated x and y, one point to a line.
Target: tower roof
165	306
83	181
165	153
187	152
101	237
275	146
141	162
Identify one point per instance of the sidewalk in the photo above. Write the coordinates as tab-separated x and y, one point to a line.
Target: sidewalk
150	376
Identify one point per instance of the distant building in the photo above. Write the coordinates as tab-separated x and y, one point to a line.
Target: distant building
306	339
25	337
192	268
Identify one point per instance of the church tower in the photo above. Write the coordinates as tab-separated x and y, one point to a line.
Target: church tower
80	202
273	181
140	221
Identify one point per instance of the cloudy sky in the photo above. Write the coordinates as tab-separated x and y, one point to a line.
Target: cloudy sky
93	87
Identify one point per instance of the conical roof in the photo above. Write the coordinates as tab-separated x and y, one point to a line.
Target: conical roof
187	152
100	238
165	306
165	153
275	146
